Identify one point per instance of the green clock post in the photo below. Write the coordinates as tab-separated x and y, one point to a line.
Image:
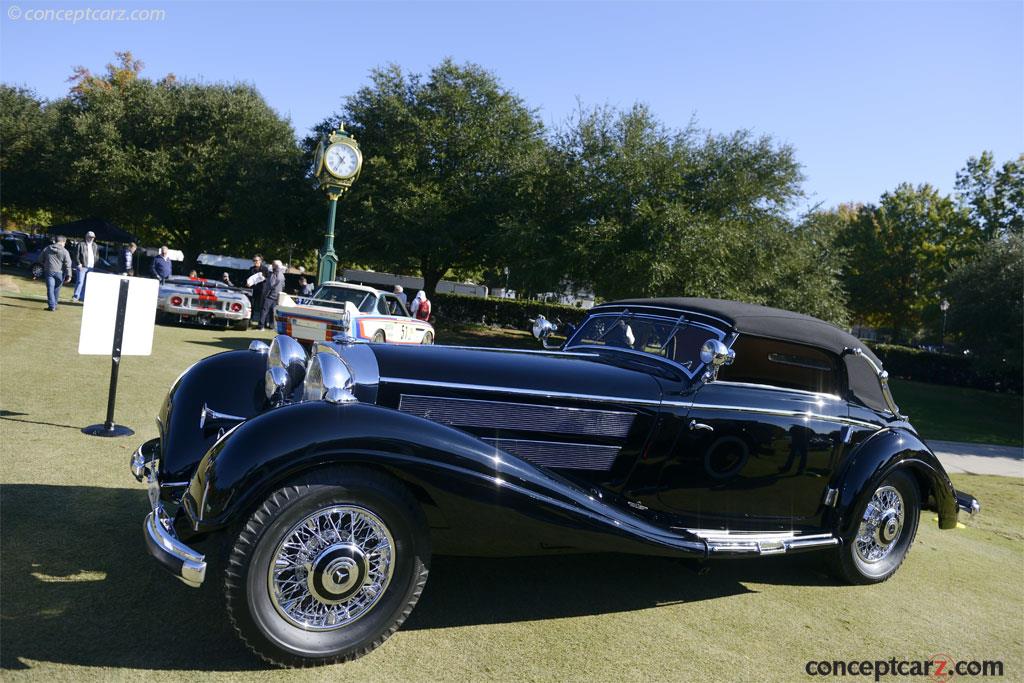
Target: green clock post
336	166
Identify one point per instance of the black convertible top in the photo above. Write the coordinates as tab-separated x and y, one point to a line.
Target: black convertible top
776	323
761	321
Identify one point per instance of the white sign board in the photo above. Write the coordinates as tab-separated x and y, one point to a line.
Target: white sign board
100	315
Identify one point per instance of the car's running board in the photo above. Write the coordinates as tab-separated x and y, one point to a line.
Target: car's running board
760	543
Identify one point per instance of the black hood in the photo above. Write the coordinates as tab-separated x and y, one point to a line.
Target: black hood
555	372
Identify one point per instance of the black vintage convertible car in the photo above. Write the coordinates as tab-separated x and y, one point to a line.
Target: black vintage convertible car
317	488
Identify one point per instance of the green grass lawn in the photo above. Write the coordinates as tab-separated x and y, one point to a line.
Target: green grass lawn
955	414
80	599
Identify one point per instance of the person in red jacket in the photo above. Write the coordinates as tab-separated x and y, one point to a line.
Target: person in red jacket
420	307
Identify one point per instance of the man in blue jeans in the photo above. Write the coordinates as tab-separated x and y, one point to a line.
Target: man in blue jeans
57	266
87	255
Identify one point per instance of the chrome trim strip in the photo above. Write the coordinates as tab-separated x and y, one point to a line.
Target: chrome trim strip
521	392
530	417
775	411
761	543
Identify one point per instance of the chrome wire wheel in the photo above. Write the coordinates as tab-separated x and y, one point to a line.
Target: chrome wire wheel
881	525
331	568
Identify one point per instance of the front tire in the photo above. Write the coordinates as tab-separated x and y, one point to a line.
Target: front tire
886	526
327	568
378	337
428	338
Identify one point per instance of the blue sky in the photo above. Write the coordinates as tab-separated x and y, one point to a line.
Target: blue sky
869	94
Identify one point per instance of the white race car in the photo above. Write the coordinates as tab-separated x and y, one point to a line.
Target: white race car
343	310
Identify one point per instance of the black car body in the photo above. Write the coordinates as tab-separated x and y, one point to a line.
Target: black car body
680	427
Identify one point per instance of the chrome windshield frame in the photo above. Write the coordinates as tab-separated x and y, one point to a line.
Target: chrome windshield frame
671	321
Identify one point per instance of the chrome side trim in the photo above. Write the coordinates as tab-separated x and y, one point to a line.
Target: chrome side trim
761	543
775	411
576	456
469	412
521	392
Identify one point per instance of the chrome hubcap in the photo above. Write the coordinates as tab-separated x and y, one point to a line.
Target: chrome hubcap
881	525
331	568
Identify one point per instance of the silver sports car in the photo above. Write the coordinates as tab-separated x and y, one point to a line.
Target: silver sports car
205	302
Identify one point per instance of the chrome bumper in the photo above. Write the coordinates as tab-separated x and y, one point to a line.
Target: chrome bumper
967	503
161	541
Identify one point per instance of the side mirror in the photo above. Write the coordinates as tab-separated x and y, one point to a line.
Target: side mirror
714	354
542	329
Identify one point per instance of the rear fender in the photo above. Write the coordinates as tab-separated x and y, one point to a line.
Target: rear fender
466	477
878	456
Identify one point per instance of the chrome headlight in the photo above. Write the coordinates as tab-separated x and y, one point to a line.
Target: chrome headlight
286	366
329	378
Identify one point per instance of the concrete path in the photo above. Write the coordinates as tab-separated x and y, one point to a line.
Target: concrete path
977	458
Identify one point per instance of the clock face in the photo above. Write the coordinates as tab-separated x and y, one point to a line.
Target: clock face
342	160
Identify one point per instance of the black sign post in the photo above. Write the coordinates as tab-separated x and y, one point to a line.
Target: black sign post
108	428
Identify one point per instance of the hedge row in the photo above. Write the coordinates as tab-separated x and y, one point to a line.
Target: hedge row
513	313
943	368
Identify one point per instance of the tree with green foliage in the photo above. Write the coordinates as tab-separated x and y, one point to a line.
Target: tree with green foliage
900	253
986	298
448	161
650	211
26	153
201	167
993	197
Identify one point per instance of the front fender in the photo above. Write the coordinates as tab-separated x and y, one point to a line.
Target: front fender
882	453
469	479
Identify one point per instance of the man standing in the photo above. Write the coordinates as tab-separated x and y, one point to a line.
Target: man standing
161	268
305	287
86	256
56	270
274	286
400	293
128	259
257	285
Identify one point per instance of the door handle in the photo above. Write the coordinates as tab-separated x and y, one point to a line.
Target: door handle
694	425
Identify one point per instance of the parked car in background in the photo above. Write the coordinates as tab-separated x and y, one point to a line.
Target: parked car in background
341	309
690	428
204	302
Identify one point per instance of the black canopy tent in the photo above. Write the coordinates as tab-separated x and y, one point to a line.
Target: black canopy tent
104	229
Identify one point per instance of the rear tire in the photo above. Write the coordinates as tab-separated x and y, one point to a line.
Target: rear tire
327	568
428	338
241	325
378	337
887	524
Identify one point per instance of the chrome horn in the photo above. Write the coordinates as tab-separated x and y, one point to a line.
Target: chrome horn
714	354
208	417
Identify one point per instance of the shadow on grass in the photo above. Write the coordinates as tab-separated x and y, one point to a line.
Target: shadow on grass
79	587
226	343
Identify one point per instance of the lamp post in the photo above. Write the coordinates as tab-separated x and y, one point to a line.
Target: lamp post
944	306
336	166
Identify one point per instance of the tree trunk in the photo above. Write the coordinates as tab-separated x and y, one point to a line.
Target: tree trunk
431	276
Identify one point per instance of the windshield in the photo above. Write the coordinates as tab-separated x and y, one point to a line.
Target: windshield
336	297
678	341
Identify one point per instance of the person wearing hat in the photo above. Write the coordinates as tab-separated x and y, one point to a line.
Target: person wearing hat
86	256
